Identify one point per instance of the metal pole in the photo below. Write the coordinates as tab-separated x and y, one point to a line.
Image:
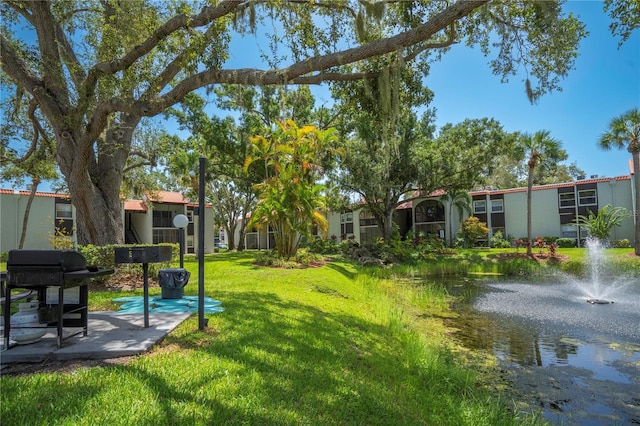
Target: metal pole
202	322
181	241
145	276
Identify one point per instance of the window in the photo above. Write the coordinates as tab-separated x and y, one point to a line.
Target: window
367	219
346	224
369	234
64	211
587	197
479	207
346	217
567	199
162	219
569	231
497	206
496	229
429	211
165	236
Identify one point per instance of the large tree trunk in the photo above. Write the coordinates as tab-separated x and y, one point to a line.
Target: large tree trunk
388	226
231	231
93	172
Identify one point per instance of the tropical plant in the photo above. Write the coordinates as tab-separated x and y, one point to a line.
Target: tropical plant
498	240
459	199
601	224
624	132
541	151
471	230
290	200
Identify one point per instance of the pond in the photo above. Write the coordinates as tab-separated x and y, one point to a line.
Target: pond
576	362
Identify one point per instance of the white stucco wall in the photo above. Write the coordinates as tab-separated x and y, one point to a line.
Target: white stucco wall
40	225
545	217
208	231
142	223
619	194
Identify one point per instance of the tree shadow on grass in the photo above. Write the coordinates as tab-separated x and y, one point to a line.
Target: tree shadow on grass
342	270
263	361
310	364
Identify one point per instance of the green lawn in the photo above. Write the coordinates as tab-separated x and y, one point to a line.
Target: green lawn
331	345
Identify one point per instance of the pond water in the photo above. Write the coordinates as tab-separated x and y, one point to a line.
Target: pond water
577	363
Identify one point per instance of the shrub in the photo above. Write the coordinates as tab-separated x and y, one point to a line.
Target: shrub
620	243
498	240
303	258
472	229
600	225
329	246
566	242
521	242
61	238
104	256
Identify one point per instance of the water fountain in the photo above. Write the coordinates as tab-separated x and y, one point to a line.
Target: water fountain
578	362
594	287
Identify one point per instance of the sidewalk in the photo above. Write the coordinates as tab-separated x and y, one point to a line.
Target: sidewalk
110	335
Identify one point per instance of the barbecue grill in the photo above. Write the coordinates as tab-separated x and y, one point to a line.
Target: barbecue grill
43	270
144	255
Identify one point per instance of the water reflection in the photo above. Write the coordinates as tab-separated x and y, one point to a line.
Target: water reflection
579	362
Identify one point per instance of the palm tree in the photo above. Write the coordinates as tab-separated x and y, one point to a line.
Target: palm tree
290	199
624	131
541	151
462	201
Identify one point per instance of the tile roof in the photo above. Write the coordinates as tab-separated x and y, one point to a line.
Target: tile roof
550	186
166	197
38	193
135	206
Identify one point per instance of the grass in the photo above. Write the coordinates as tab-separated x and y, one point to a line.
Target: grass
329	345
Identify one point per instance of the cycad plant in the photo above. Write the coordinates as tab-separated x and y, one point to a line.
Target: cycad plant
600	225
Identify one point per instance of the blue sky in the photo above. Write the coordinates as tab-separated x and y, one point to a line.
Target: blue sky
605	83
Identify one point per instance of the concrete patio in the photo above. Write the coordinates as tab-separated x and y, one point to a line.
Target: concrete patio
110	335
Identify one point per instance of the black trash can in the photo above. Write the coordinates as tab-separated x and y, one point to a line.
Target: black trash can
172	282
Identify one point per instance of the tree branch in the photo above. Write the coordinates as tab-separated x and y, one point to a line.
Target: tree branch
207	15
52	72
298	73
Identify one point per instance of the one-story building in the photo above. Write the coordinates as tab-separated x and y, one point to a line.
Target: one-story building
146	221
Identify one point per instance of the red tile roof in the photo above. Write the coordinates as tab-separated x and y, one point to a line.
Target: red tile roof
135	206
166	197
38	193
551	186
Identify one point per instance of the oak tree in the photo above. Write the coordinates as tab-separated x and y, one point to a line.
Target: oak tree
96	67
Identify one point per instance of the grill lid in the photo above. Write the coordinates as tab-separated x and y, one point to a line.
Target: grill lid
62	260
